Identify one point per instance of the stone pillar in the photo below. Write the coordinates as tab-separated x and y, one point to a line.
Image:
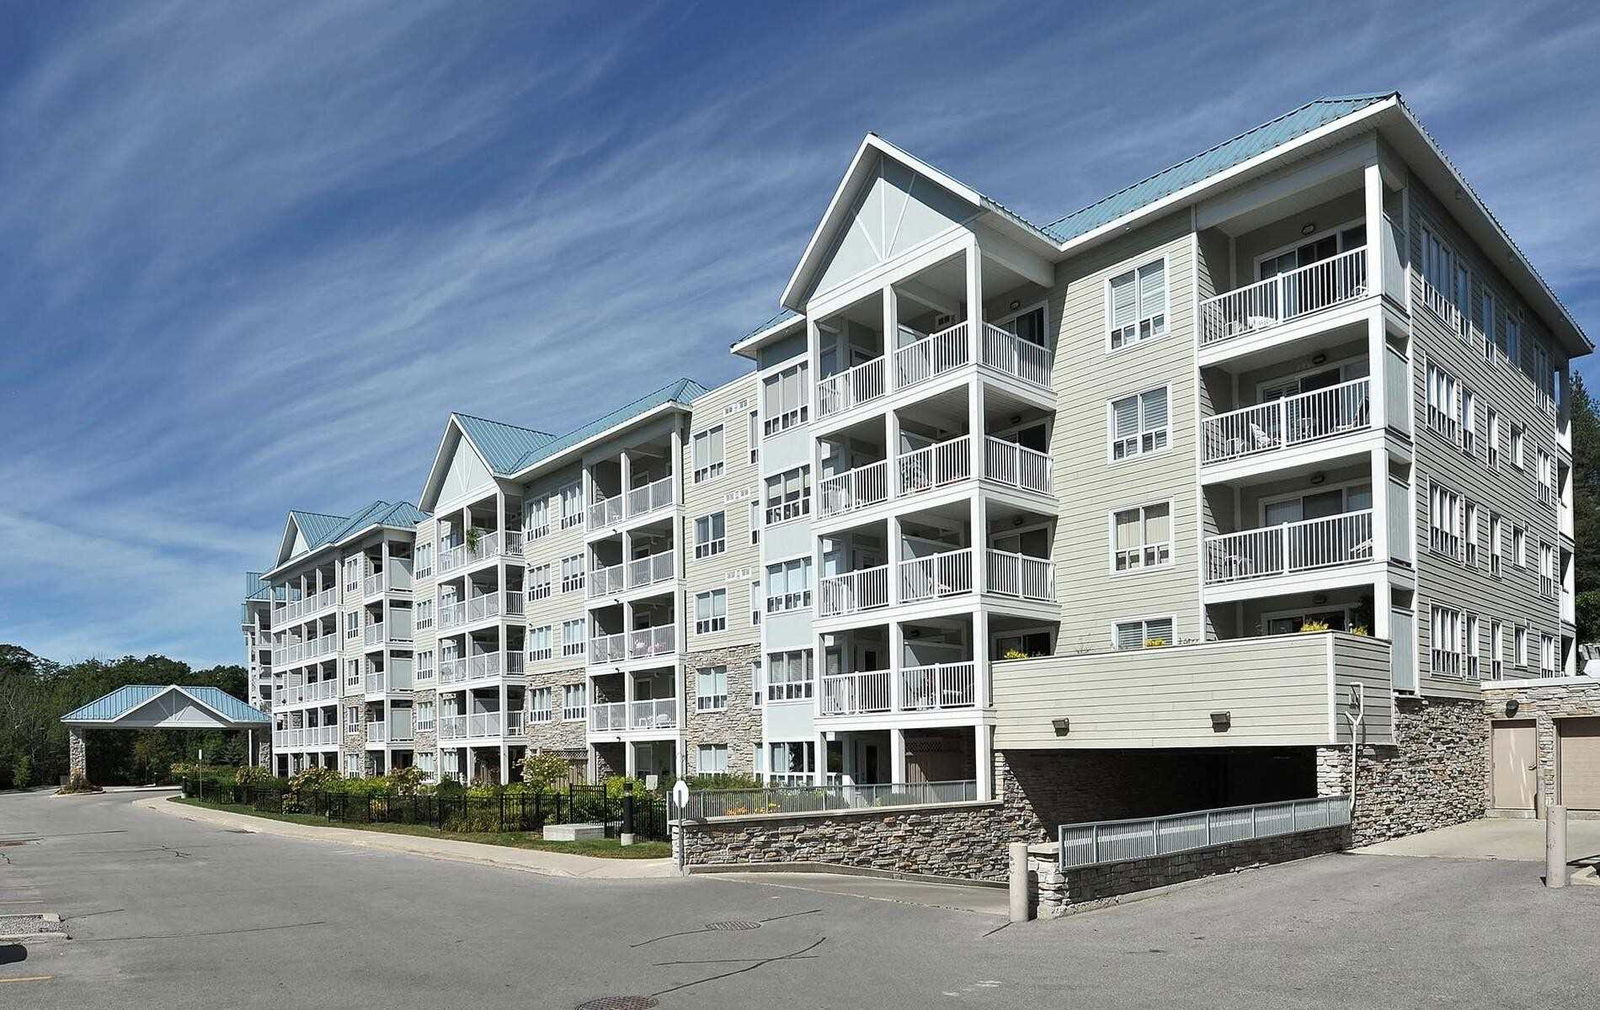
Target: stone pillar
1333	770
77	753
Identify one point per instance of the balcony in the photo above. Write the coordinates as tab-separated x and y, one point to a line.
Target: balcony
928	357
936	576
452	615
853	592
636	574
378	683
488	606
851	387
1021	359
938	687
1288	422
656	715
856	693
377	732
452	727
1305	546
308	605
378	633
933	467
295	694
484	724
489	546
1292	295
631	504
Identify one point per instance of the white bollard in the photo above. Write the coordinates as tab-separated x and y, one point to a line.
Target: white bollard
1019	882
1555	846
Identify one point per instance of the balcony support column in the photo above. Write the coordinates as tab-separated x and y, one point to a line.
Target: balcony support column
891	330
983	750
896	549
1378	371
897	660
1372	189
980	544
897	756
1381	489
980	658
975	426
974	302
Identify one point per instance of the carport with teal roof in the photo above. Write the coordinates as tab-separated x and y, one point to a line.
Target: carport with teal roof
151	706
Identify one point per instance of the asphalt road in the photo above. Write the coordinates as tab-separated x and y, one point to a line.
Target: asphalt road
168	913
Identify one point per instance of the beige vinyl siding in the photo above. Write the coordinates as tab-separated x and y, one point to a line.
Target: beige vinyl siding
1282	691
1090	487
558	607
730	493
1510	492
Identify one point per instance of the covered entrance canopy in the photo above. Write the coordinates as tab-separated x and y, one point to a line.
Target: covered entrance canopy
151	706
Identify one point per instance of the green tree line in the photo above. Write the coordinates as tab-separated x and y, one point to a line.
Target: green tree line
1586	511
35	693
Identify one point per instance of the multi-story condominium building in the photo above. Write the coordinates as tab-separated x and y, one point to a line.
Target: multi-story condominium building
255	621
1171	500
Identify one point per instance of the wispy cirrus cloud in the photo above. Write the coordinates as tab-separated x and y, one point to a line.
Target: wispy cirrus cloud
256	252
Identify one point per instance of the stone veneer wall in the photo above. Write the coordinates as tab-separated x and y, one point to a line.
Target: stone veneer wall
1431	777
1055	891
739	724
1543	703
77	752
559	735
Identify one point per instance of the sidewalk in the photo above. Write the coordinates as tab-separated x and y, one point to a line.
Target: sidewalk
552	864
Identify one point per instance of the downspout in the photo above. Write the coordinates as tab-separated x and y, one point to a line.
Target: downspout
1354	715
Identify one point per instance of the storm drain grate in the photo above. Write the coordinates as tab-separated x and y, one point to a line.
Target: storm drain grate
729	925
621	1003
14	841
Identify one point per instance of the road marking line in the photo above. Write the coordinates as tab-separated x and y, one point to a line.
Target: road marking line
29	978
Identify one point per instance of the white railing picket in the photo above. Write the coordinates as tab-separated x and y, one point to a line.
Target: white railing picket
1289	295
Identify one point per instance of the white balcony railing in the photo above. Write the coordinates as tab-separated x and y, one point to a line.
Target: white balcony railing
856	693
936	576
646	642
608	649
452	615
516	722
452	727
653	569
932	356
933	466
1017	466
634	716
377	732
860	384
372	585
377	683
1011	354
1292	547
1021	576
606	511
606	581
483	724
452	671
942	685
481	608
1288	296
853	592
374	634
1292	420
611	716
853	489
652	496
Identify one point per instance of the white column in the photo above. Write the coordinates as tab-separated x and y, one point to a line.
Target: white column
895	549
975	425
980	543
630	763
897	661
1378	370
975	300
1372	185
1380	504
626	468
980	657
897	756
984	751
891	331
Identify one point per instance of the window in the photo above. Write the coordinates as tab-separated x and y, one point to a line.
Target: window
538	582
710	535
1547	655
753	436
352	718
1519	546
784	397
788	495
793	764
789	676
424	760
572	573
1547	570
711	612
425	666
539	645
1445	644
789	586
352	624
1496	544
352	766
1444	403
1518	460
1143	634
1471	533
1469	422
758	686
1471	631
1497	649
424	716
1444	521
424	614
1136	305
571	505
1520	645
573	641
711	759
540	705
755	519
424	560
1547	478
1142	537
757	596
536	517
1513	338
1446	284
575	702
1494	437
1139	424
711	689
1486	323
352	575
708	447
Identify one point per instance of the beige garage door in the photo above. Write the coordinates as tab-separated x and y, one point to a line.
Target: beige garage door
1580	762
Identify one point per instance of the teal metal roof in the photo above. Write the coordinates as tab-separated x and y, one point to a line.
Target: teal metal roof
379	513
502	444
783	316
1247	145
317	527
256	588
125	699
682	391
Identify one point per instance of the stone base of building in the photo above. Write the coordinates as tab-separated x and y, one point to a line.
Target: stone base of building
1545	703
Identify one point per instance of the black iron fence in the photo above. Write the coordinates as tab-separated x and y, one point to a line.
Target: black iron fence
460	811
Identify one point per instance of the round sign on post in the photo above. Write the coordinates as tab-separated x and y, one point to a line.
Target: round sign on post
680	796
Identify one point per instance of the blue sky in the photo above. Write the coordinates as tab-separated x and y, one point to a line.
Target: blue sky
252	254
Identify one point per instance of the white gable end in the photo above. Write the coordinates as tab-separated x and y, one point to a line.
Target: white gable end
300	545
171	710
899	210
465	475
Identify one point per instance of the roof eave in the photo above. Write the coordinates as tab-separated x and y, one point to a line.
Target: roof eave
537	467
759	339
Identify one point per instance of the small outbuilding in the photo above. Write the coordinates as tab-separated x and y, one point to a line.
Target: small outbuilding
151	706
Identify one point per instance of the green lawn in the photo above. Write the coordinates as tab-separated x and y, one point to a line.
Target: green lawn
604	847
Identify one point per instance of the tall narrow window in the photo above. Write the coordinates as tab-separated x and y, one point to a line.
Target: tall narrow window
708	448
1136	305
711	612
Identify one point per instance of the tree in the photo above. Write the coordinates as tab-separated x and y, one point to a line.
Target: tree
1585	508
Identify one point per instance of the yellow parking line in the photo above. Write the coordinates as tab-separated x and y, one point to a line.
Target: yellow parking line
29	978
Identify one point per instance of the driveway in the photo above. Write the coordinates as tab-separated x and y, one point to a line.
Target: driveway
178	914
1498	838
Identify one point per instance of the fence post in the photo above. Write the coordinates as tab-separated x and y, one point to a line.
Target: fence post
502	813
625	836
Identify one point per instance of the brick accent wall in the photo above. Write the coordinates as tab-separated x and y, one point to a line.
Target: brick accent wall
1431	777
738	724
1544	704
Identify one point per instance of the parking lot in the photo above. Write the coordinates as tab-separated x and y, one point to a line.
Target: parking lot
165	912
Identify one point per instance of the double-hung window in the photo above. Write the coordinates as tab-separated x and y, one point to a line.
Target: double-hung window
1547	655
574	637
1444	403
1471	532
1547	478
789	586
1547	570
1519	546
1497	649
711	759
788	495
1136	305
536	517
424	560
711	612
1139	424
790	676
425	664
575	702
1494	437
1147	633
1446	284
1444	521
424	720
541	705
572	573
708	449
571	505
1518	447
711	689
755	518
753	436
539	646
1469	422
1486	323
538	583
1470	629
784	399
1519	637
1141	537
1445	646
710	535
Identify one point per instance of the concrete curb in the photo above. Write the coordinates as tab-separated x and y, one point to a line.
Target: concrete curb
550	864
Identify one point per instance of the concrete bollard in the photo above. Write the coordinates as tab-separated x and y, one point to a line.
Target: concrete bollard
1020	911
1555	846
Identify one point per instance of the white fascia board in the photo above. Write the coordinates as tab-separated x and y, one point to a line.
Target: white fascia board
748	345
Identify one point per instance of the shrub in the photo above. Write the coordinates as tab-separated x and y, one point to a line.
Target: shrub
1360	631
303	784
251	775
545	771
406	781
22	772
724	780
78	783
614	786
